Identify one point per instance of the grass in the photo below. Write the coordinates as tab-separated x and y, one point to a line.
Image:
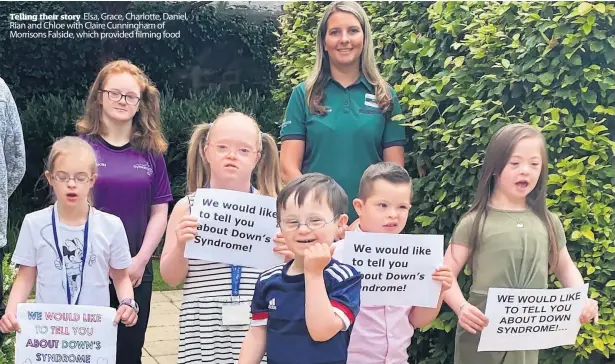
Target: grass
159	284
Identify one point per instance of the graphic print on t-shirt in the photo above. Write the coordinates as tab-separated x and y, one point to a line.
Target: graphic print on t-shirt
72	255
72	251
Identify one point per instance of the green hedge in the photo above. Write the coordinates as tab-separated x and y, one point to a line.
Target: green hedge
462	71
48	117
216	47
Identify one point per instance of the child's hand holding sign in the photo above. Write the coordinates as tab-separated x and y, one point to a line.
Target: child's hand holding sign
444	275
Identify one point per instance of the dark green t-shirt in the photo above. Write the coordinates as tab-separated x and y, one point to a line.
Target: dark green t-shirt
349	138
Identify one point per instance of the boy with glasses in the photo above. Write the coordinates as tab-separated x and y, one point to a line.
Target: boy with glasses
303	311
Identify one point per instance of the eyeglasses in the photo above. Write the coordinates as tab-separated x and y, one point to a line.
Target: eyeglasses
313	223
223	150
117	96
65	177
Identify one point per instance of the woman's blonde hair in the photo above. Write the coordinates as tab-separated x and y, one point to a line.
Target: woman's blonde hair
146	127
267	170
318	78
71	145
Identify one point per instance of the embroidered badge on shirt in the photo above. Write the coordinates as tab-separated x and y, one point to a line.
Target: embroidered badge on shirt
370	100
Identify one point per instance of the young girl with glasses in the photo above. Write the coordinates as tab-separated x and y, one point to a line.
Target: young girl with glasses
224	155
71	248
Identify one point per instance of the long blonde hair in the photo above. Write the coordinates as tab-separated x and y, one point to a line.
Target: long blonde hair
267	170
68	145
146	127
317	80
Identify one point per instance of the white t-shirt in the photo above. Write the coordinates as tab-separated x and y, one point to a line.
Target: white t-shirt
107	248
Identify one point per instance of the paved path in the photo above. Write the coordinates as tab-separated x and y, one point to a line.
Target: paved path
162	335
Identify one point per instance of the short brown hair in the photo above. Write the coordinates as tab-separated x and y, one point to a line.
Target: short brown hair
387	171
324	188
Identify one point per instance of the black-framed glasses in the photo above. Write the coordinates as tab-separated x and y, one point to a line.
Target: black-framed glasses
64	177
117	96
313	223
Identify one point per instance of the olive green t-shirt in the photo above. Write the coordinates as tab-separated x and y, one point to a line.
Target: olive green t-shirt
505	256
350	137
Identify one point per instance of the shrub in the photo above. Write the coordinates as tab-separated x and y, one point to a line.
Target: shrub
46	118
462	71
214	48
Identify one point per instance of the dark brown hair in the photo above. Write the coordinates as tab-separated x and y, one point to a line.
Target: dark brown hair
324	188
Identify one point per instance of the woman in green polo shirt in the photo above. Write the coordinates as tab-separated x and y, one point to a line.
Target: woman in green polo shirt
338	122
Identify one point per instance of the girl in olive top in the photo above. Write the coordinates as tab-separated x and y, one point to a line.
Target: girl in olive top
338	122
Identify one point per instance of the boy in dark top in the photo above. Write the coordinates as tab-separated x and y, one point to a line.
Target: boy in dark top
303	311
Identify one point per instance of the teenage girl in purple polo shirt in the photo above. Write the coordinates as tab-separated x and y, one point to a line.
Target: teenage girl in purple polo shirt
122	124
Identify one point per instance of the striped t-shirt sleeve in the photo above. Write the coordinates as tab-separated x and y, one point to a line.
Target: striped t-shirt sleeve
345	292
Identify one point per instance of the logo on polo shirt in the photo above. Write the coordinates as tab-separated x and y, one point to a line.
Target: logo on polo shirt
145	166
370	100
272	304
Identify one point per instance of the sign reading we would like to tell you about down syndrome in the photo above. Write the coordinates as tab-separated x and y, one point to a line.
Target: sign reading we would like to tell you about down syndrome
65	334
396	268
234	228
532	319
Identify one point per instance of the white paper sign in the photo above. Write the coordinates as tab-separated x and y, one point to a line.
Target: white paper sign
65	334
234	228
532	319
396	268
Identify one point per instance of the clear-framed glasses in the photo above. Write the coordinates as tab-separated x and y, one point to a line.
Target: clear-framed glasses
312	223
224	149
64	177
117	96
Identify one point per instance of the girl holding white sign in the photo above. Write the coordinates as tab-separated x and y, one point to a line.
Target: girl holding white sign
64	245
510	239
224	154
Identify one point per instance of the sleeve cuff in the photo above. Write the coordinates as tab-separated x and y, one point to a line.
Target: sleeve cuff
292	137
162	199
259	319
121	265
395	143
344	313
21	261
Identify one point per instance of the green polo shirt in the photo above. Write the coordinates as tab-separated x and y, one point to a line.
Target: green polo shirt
348	139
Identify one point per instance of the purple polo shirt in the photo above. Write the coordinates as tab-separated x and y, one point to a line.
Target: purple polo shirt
129	183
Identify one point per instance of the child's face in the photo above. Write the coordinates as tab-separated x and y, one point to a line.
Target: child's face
386	209
522	171
115	106
232	151
318	215
72	178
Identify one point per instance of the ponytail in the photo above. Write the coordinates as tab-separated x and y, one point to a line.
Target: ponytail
268	176
266	171
197	167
